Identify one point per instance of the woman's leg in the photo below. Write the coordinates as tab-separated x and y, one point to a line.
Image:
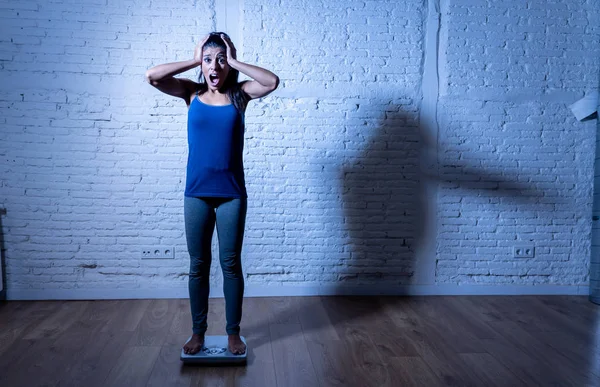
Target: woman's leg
200	220
231	220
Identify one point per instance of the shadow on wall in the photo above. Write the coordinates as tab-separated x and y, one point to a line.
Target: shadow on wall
385	203
385	210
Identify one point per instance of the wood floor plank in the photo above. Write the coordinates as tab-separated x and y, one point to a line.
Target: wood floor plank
256	317
315	322
292	361
213	377
309	341
9	309
560	305
260	370
17	318
584	354
349	311
57	322
399	310
367	368
386	330
16	361
35	357
452	371
331	362
563	321
103	310
441	357
128	315
283	310
154	325
530	371
484	305
524	313
60	347
451	335
426	308
133	367
255	328
180	328
66	349
409	371
490	370
168	369
391	342
95	361
466	316
439	339
13	312
556	319
216	319
559	365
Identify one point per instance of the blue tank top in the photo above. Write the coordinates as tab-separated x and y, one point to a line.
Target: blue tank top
216	142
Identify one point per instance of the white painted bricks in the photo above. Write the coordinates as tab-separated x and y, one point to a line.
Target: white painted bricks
346	186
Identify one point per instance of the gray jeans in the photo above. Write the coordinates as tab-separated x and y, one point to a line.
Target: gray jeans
200	216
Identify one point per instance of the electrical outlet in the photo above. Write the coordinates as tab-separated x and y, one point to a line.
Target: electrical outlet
158	252
524	251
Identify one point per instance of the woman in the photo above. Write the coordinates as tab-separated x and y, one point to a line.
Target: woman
215	190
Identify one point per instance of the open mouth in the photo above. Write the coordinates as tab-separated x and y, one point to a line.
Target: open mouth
213	79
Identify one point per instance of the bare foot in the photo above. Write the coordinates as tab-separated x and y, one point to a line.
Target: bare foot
194	345
236	345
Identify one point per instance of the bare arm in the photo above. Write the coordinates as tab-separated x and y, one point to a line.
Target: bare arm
162	76
167	70
264	81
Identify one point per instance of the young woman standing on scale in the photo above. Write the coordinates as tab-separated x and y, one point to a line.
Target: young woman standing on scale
215	190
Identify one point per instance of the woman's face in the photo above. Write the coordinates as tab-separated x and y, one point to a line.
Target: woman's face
214	67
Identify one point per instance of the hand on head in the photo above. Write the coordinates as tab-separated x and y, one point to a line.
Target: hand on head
231	52
199	47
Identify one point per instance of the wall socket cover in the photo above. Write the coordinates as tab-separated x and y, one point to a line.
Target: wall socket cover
524	251
158	252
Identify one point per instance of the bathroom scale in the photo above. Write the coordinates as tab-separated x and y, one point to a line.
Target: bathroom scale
214	351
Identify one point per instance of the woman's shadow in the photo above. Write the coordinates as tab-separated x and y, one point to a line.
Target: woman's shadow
385	187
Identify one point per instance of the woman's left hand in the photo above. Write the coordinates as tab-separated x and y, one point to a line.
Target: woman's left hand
231	54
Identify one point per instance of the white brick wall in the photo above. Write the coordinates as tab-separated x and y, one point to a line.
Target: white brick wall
515	165
337	140
93	158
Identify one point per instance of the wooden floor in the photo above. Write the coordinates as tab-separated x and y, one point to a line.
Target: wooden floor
308	341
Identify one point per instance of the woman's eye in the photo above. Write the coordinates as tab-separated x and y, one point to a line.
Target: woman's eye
207	60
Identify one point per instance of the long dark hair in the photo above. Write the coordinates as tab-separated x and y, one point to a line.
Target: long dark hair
233	88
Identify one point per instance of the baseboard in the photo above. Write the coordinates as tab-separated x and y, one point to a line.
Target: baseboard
299	290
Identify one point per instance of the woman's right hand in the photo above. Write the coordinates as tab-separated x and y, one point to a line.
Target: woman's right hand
198	50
